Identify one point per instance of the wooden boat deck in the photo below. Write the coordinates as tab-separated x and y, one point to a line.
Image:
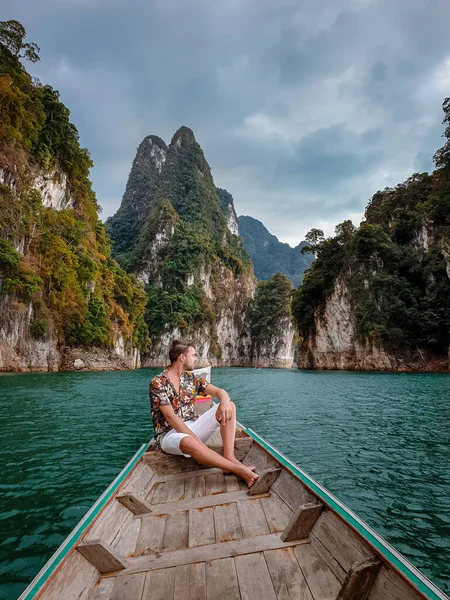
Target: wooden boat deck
206	538
178	531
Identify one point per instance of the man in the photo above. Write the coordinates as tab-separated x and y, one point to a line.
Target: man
177	428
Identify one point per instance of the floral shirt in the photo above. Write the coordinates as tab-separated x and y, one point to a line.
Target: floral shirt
163	393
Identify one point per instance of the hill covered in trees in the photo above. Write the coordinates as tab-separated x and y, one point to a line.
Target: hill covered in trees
270	256
59	285
385	286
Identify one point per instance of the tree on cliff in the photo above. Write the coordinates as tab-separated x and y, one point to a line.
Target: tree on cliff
12	36
270	312
64	271
394	265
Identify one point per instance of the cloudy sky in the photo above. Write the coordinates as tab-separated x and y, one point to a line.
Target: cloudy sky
303	108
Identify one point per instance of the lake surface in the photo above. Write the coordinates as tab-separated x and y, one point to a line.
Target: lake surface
380	442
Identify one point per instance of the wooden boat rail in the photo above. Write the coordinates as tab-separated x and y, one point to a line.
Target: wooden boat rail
288	537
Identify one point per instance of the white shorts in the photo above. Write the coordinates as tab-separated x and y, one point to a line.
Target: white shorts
203	427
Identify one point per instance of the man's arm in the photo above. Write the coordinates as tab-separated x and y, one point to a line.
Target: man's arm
225	412
175	422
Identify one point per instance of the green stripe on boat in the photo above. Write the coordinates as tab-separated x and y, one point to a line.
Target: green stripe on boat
43	575
391	555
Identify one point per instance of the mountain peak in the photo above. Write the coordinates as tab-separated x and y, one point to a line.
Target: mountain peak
269	255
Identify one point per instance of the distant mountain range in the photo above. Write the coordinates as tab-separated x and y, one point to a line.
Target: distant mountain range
269	255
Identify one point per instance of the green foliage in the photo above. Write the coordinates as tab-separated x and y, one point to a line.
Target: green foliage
173	308
270	307
38	328
187	183
400	294
66	268
91	328
269	255
12	35
9	258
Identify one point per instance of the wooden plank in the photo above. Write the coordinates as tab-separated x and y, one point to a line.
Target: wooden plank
232	483
259	458
327	557
128	587
187	475
125	542
215	484
101	555
159	585
252	518
227	524
201	527
164	464
195	488
320	578
134	504
110	521
302	521
360	579
181	589
287	577
158	494
176	533
197	582
340	540
103	590
390	586
254	578
140	481
291	490
164	560
151	534
241	447
264	481
202	502
173	491
221	580
277	513
75	579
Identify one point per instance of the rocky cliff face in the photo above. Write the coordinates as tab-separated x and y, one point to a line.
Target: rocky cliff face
336	344
198	277
64	302
20	351
227	206
226	341
385	289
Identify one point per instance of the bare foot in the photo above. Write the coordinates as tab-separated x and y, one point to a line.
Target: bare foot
248	476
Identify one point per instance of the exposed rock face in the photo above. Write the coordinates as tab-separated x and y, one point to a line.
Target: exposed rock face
279	352
231	331
20	351
336	346
54	190
227	206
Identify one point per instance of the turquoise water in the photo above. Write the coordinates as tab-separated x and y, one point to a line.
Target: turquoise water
380	442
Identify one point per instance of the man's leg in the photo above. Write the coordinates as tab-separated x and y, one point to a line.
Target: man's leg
205	456
228	434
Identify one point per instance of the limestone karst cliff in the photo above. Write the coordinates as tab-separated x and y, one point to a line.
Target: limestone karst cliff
378	296
198	277
64	302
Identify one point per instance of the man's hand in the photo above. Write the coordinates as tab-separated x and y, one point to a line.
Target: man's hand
224	412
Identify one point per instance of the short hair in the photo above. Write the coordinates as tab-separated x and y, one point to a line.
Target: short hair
177	348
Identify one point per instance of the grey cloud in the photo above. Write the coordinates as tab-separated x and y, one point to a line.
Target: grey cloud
347	92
